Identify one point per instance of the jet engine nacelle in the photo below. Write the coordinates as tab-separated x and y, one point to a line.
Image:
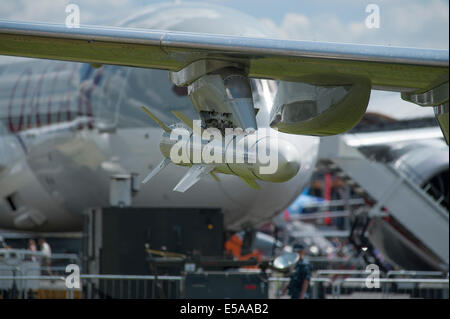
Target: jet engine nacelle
424	163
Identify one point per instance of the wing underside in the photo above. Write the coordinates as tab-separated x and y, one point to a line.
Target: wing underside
388	68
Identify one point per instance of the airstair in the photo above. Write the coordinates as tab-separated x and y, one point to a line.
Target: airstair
410	205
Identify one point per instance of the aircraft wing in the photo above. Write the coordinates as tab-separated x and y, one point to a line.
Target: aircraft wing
387	68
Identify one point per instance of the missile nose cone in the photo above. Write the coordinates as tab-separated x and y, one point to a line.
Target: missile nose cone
284	161
288	161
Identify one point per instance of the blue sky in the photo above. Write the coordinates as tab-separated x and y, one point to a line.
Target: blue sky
411	23
276	10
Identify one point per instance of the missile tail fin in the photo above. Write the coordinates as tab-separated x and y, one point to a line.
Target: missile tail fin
157	120
250	182
194	174
183	118
157	170
214	176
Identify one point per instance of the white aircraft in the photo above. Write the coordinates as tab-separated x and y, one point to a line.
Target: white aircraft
67	126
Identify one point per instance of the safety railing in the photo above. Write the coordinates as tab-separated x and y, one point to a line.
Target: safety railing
59	262
334	263
278	287
391	288
124	287
342	284
414	273
27	262
91	287
343	272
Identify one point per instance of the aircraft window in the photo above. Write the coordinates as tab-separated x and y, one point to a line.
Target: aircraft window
12	202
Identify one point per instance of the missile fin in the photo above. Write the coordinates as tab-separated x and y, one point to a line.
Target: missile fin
250	182
214	176
183	118
157	170
194	174
157	120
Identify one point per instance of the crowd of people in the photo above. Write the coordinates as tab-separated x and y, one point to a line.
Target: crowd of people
44	249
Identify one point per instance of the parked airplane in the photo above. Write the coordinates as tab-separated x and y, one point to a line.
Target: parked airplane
67	127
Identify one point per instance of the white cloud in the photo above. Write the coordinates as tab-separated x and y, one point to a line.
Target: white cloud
53	11
402	23
391	104
412	24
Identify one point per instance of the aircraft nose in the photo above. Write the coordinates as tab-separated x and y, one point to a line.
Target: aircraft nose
284	161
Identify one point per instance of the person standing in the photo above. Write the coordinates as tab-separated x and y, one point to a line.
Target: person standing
33	248
2	242
299	284
47	254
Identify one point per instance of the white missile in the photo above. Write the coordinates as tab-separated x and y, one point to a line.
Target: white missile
250	156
